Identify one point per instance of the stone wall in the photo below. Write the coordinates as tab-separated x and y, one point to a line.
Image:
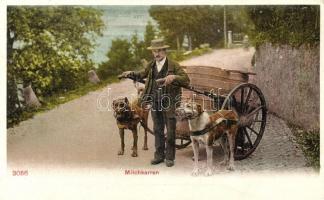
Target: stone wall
289	79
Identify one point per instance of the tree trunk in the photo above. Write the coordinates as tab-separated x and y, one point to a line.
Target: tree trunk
178	43
190	42
225	29
13	104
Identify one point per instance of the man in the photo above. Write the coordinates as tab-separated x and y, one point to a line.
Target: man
163	98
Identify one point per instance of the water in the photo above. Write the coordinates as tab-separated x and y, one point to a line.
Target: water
121	22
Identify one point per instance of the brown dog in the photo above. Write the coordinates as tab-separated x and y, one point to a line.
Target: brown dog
206	129
128	115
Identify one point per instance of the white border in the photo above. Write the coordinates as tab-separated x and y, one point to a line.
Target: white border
3	91
91	185
156	2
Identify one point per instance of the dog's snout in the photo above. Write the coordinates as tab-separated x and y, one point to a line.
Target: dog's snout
179	112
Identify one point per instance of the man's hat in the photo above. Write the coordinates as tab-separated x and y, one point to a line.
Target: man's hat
157	44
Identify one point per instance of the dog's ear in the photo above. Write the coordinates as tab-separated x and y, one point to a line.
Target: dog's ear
199	108
126	100
113	105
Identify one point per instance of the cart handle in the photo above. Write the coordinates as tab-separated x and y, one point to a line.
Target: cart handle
161	81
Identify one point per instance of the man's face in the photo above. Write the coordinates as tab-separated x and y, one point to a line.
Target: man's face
159	54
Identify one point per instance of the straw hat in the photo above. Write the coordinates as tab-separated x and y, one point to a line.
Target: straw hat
157	44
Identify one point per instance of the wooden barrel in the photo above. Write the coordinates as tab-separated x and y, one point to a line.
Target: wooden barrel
217	80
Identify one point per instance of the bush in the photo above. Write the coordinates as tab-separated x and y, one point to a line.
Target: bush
293	25
309	141
124	55
120	59
48	47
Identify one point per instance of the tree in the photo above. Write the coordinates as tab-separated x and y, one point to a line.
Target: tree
124	55
149	35
120	59
52	45
48	47
294	24
201	24
138	49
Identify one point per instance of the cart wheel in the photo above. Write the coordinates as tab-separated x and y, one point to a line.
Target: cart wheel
182	142
248	101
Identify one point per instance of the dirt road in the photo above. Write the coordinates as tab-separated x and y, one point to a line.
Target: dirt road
82	134
235	59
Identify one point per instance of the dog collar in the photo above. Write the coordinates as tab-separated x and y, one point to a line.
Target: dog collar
198	133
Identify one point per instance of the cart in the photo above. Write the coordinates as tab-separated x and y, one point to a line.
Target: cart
228	89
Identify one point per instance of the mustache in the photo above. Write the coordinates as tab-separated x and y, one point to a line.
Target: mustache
159	58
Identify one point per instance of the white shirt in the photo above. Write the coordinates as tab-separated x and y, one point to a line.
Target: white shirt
159	64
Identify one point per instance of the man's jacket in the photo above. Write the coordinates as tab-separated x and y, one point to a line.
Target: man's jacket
173	89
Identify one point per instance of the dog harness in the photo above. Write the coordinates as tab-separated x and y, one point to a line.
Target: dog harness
228	123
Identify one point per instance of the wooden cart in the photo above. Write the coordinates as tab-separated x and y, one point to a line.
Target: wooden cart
217	88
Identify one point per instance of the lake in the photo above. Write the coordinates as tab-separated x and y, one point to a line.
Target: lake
121	22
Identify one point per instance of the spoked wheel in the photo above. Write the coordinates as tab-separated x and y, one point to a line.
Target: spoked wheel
182	142
248	101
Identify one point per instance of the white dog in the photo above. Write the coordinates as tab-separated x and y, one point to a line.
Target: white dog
206	129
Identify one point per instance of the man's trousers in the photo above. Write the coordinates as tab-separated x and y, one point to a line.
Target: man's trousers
164	144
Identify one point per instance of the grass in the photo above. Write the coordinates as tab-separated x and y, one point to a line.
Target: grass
309	141
51	102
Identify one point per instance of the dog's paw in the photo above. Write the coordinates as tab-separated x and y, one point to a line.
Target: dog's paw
195	172
209	172
230	167
134	154
193	158
145	148
120	152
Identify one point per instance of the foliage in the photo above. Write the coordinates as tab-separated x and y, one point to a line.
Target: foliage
124	55
294	24
120	59
203	24
138	49
53	45
238	20
149	35
309	142
48	47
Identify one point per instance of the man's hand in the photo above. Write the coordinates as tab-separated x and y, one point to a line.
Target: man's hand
169	79
125	74
166	81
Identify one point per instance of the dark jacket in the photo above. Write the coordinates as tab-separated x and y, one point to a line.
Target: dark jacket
174	89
